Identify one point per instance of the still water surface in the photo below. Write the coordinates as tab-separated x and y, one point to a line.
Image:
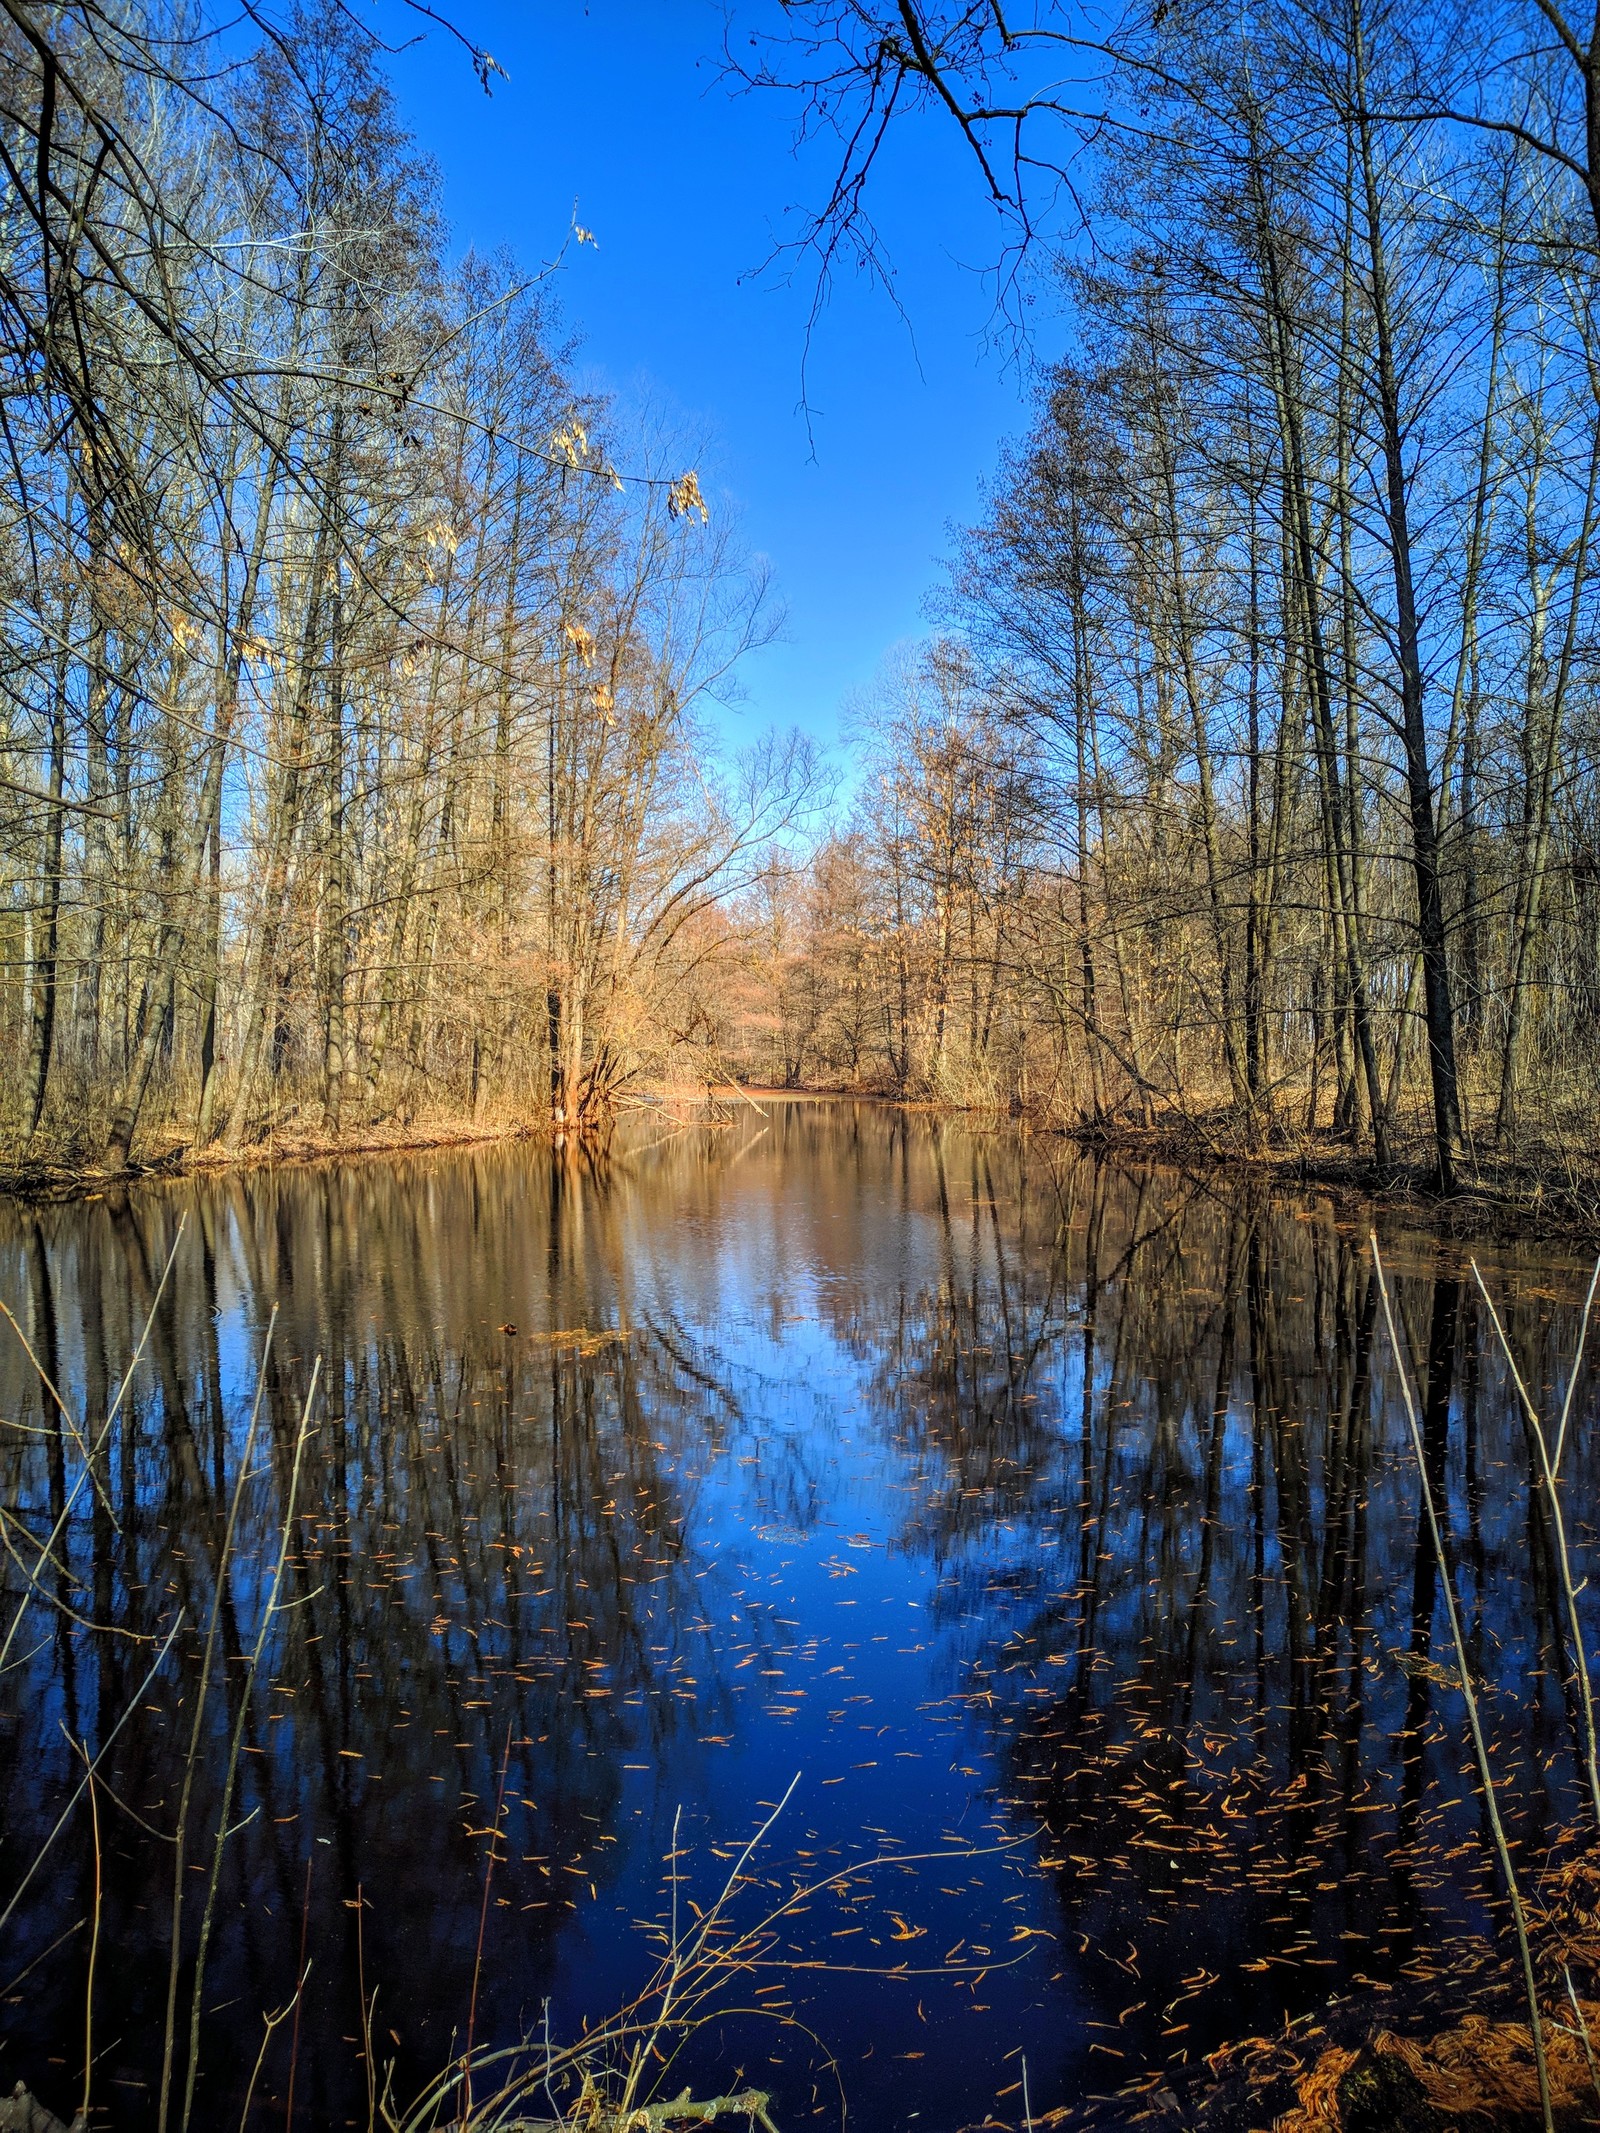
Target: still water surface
1051	1521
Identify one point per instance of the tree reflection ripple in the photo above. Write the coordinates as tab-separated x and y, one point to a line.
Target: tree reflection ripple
1041	1512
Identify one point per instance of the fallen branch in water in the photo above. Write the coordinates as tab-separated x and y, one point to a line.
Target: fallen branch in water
643	2117
22	2113
680	2111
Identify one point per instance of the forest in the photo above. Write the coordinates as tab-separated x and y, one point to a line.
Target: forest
791	1613
353	694
360	675
1250	779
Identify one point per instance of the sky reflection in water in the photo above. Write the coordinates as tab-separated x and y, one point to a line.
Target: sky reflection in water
1052	1518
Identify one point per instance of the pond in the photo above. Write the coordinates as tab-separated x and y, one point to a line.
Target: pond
1040	1534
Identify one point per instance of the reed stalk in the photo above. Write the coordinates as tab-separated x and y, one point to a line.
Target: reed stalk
367	2008
236	1738
90	1455
270	2025
608	2066
483	1926
94	1951
1549	1471
1582	2030
1480	1748
180	1837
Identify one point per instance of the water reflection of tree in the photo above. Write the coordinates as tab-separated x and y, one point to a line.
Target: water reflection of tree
1177	1534
1164	1491
493	1567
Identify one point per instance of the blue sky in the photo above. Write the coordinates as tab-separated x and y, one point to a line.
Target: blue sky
619	106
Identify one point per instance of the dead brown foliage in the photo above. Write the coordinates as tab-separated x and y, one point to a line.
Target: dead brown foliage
1480	2074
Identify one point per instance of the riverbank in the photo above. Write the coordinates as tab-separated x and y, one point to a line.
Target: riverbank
1559	1192
764	1452
1549	1192
61	1176
1536	1191
55	1180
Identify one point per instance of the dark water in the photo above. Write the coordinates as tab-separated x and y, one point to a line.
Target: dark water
1054	1520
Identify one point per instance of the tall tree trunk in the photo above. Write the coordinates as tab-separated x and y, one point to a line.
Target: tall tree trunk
1201	741
283	817
1306	611
1541	814
1438	1006
45	962
335	973
184	894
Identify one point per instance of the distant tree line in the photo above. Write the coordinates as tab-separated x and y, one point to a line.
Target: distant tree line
1255	774
352	684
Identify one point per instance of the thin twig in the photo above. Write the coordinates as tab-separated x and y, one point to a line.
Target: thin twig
105	1748
483	1922
305	1972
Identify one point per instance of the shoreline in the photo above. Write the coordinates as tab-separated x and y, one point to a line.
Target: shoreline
1500	1193
1509	1197
53	1183
47	1181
